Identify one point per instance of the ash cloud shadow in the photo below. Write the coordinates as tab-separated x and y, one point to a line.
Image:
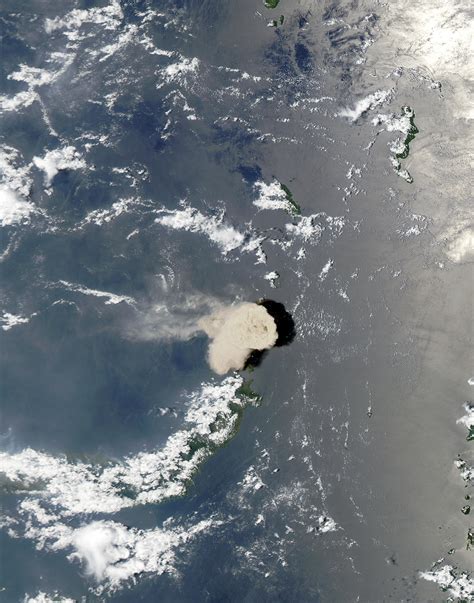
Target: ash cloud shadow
286	330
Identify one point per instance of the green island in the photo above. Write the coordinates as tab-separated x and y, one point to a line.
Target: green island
295	209
247	394
412	132
470	539
276	23
403	149
470	435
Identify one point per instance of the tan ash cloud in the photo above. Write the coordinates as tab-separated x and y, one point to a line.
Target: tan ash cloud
235	332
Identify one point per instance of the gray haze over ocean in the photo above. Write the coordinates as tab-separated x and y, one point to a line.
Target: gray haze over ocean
162	159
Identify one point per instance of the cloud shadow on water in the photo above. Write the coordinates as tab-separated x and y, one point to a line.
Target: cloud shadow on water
285	328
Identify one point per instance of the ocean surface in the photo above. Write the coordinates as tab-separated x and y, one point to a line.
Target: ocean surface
160	158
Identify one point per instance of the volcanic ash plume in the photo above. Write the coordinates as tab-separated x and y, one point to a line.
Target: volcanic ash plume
235	333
